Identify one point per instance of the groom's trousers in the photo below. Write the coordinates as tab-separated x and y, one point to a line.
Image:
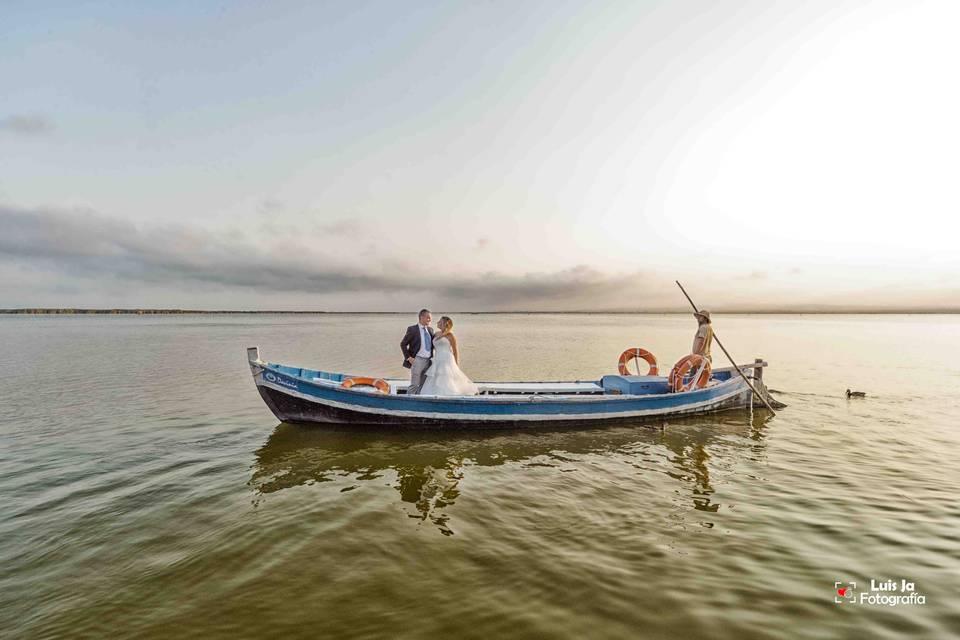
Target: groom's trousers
418	372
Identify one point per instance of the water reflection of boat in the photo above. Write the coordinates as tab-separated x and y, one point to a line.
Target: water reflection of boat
296	394
429	467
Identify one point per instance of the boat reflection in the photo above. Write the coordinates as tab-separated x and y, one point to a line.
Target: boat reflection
430	465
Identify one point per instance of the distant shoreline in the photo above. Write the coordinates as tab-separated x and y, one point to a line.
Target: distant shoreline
156	312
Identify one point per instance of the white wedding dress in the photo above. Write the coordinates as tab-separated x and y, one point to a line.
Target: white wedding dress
444	377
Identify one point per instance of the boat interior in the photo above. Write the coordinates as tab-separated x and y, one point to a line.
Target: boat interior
607	385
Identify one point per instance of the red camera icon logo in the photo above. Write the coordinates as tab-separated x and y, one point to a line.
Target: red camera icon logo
844	592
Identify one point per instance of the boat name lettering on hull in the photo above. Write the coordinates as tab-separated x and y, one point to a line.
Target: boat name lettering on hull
271	377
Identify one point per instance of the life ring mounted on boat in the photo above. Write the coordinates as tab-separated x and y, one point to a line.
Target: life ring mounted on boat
635	354
696	367
378	383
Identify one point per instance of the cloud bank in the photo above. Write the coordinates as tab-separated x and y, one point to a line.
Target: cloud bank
56	257
88	244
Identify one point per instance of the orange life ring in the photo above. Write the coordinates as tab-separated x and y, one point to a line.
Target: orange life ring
633	354
701	373
378	383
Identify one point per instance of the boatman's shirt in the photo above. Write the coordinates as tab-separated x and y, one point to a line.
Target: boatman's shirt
705	331
425	343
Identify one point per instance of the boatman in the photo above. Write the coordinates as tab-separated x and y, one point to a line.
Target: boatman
417	347
704	337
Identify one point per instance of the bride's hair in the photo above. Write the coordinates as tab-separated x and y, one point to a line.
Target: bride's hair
447	324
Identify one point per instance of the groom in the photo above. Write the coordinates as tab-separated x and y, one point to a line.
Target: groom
417	347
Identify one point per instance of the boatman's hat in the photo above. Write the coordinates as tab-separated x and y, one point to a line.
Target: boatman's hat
704	314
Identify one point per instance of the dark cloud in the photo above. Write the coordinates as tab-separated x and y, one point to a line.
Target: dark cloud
26	125
85	243
91	244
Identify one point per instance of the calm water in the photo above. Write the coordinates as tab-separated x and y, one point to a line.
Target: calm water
148	492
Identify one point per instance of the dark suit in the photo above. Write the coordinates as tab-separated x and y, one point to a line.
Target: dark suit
410	345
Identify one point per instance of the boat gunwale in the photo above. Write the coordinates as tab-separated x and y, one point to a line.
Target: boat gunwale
501	399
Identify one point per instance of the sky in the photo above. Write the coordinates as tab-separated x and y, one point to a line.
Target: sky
480	156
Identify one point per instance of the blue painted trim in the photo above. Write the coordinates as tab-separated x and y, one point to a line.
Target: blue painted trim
285	377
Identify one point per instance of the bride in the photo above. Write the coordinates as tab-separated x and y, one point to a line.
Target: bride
444	377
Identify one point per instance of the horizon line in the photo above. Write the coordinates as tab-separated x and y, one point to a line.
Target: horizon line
734	311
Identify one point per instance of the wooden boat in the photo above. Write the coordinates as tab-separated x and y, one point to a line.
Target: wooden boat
296	394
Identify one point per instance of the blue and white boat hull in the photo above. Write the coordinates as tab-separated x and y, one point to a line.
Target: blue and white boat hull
309	396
